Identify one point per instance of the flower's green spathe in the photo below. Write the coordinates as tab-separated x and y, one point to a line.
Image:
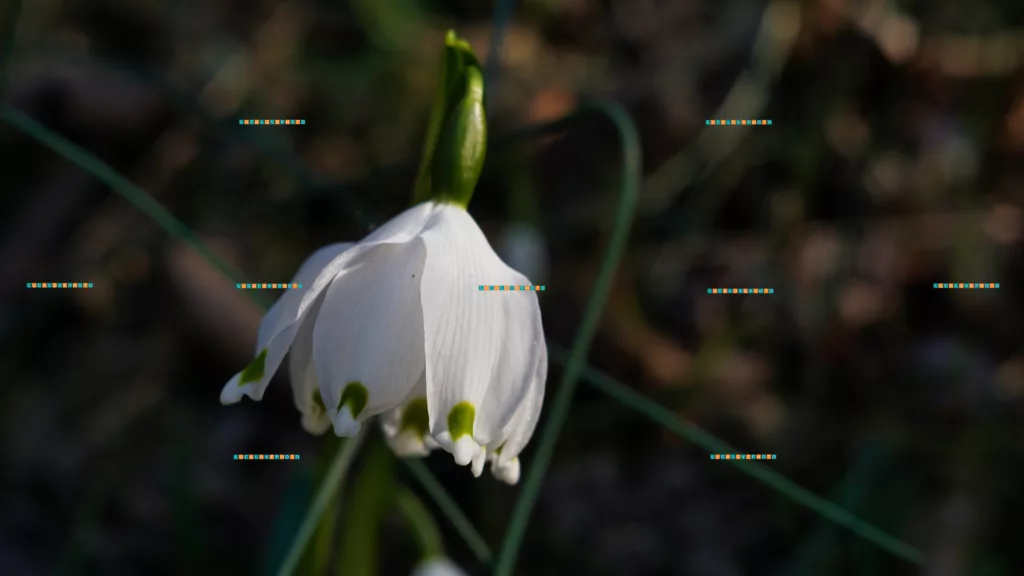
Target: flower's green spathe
456	140
459	157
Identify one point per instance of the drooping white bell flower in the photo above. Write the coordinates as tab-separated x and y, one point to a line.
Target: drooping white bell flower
438	566
395	324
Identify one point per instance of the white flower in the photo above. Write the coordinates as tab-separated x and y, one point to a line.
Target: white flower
437	567
395	326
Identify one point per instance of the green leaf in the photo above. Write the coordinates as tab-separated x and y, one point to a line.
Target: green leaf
373	494
318	558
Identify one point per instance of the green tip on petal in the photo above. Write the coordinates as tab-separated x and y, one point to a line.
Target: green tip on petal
254	371
416	418
355	397
318	401
460	420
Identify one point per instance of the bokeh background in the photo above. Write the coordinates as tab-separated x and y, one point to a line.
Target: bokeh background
895	160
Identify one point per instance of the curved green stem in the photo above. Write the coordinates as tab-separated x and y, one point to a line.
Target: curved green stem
128	190
457	517
421	523
330	487
628	192
665	417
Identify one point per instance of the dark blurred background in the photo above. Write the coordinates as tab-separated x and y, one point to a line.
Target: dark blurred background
894	161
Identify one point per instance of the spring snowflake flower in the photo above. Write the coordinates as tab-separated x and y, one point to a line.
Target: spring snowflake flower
395	326
437	567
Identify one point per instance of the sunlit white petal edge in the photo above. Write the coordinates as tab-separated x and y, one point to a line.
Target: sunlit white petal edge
278	329
280	325
504	451
302	372
394	326
481	349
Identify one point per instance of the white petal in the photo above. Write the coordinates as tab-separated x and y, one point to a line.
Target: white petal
305	385
520	429
437	567
368	338
277	330
407	444
507	472
481	346
398	230
406	428
478	462
463	449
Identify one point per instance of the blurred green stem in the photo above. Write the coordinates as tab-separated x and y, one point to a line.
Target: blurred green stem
317	561
661	415
628	191
851	492
372	494
129	191
444	501
332	484
421	523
